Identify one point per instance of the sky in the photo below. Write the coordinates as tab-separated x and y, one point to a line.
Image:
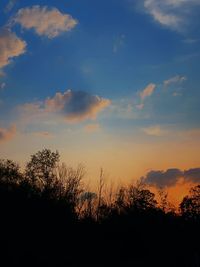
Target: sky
110	83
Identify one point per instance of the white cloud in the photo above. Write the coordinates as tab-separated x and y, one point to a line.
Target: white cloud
45	21
171	13
174	80
10	46
158	10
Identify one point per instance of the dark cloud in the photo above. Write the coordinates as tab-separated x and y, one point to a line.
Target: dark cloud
171	176
76	105
163	178
192	175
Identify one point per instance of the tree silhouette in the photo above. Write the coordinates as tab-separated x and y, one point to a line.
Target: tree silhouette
40	170
190	206
71	182
48	218
141	199
9	171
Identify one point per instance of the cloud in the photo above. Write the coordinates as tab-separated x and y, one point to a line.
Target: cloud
43	134
154	130
163	178
76	106
145	93
72	106
174	14
175	94
45	21
170	177
30	111
174	80
148	91
118	43
2	74
91	128
140	106
2	85
190	41
159	11
190	134
10	5
192	175
7	134
10	46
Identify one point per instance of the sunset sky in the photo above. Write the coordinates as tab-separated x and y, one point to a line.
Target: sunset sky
110	83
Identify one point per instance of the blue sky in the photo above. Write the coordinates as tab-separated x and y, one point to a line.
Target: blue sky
101	75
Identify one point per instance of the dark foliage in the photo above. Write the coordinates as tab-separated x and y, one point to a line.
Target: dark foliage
49	219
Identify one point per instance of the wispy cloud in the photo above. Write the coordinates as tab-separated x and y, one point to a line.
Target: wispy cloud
10	46
145	93
43	134
190	41
91	128
140	106
2	74
174	80
174	14
155	130
49	22
118	43
7	134
148	91
2	85
10	5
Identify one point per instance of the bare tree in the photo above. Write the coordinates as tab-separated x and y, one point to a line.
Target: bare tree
100	190
71	181
87	204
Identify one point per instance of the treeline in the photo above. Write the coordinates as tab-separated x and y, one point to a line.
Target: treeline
49	218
